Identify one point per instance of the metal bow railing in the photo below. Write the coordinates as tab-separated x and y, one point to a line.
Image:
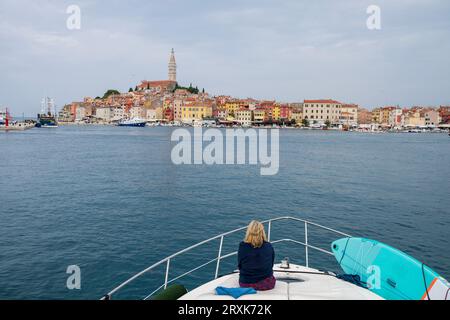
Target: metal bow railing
220	257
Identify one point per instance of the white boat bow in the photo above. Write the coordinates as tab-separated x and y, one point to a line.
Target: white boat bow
296	283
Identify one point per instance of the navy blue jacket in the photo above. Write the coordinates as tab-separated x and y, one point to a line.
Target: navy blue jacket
255	264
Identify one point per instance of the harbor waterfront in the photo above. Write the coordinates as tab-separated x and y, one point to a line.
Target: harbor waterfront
110	200
165	102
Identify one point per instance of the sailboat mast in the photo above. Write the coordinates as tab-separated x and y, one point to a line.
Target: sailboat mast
49	106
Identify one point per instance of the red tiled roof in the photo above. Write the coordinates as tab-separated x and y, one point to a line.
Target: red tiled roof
323	101
153	84
350	106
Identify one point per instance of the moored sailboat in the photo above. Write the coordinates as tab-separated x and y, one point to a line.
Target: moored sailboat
47	119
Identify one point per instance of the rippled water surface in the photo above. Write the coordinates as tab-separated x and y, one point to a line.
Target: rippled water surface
110	201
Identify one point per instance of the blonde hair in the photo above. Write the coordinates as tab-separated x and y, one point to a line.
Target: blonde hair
256	235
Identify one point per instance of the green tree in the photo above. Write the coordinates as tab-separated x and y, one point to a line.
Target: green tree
131	90
110	92
328	123
305	122
190	89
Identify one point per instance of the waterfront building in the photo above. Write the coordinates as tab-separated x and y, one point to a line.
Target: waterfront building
154	114
244	117
285	112
221	114
432	117
251	103
376	116
195	112
385	113
168	114
177	109
138	112
415	117
260	115
168	103
321	111
444	114
66	115
80	113
297	115
232	106
276	112
349	115
296	111
104	113
118	113
395	117
151	115
269	113
364	116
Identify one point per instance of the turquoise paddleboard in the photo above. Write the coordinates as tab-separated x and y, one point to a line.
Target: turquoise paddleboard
388	272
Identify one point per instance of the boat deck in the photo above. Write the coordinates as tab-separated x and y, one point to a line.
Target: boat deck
295	283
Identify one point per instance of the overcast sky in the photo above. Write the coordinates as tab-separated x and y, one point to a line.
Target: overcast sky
287	50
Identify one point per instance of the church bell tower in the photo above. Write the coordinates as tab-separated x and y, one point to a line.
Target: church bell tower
172	67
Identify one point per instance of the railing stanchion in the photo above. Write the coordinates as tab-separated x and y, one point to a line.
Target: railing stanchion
219	258
167	274
269	232
306	245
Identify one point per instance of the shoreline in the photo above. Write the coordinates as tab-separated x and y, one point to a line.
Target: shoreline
415	131
25	126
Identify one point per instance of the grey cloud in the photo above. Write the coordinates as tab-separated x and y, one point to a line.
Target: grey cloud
288	50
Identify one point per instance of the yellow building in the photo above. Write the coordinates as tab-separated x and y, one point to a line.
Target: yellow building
195	112
178	109
232	106
415	118
297	115
259	115
385	114
376	115
276	113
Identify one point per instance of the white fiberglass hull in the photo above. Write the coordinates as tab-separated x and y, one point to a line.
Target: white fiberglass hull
295	283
